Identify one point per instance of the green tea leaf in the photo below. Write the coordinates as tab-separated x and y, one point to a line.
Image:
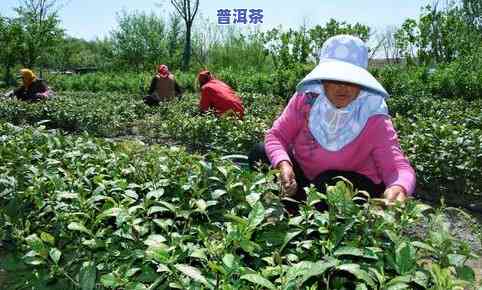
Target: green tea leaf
361	287
201	205
75	226
319	268
398	286
111	212
229	260
136	286
299	269
424	246
55	254
154	240
258	280
421	278
36	244
236	219
131	272
155	194
199	253
87	276
48	238
253	198
156	209
359	273
35	261
132	194
356	252
249	246
192	273
349	251
456	260
256	215
109	280
218	193
289	236
465	273
405	258
158	252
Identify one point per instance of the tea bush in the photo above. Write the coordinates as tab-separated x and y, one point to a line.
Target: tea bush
454	80
442	137
81	212
459	79
281	82
104	114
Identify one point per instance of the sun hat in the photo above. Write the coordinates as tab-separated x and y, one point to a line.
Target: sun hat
343	58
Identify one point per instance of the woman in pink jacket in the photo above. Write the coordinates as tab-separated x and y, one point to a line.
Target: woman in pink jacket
337	124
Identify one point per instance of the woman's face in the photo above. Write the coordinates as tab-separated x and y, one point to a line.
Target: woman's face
341	94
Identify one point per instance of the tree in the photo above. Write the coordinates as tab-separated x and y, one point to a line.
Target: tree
10	50
41	29
319	33
187	9
300	46
174	38
73	53
473	12
442	34
406	39
388	43
140	39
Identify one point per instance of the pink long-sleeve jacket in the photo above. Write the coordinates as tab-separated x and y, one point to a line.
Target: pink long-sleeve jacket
375	153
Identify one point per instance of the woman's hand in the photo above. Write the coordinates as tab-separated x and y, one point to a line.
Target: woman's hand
395	193
288	181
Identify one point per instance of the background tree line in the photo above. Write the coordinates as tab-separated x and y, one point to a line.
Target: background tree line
34	37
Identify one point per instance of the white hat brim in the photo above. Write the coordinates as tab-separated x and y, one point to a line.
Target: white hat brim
335	70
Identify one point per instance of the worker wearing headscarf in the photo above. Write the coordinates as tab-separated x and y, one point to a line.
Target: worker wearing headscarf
33	88
218	96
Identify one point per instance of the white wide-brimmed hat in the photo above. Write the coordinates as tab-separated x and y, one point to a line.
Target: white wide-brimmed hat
343	58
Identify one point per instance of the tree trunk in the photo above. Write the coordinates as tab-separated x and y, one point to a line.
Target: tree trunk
186	59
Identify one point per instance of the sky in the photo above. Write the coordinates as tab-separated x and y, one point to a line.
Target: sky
90	19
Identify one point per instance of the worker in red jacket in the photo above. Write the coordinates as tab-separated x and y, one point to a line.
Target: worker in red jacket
218	96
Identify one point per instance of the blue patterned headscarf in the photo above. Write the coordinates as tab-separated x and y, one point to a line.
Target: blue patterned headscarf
335	128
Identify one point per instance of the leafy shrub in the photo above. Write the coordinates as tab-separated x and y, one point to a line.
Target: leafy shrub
84	212
442	137
104	114
459	79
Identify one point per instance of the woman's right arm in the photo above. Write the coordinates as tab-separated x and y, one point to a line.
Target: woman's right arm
280	137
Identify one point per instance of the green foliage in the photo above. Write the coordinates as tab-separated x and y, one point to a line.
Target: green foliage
10	32
441	34
296	47
140	41
221	48
442	137
101	114
73	53
130	82
41	31
84	212
443	140
458	79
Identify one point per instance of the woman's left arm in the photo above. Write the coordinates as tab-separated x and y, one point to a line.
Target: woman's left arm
395	169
